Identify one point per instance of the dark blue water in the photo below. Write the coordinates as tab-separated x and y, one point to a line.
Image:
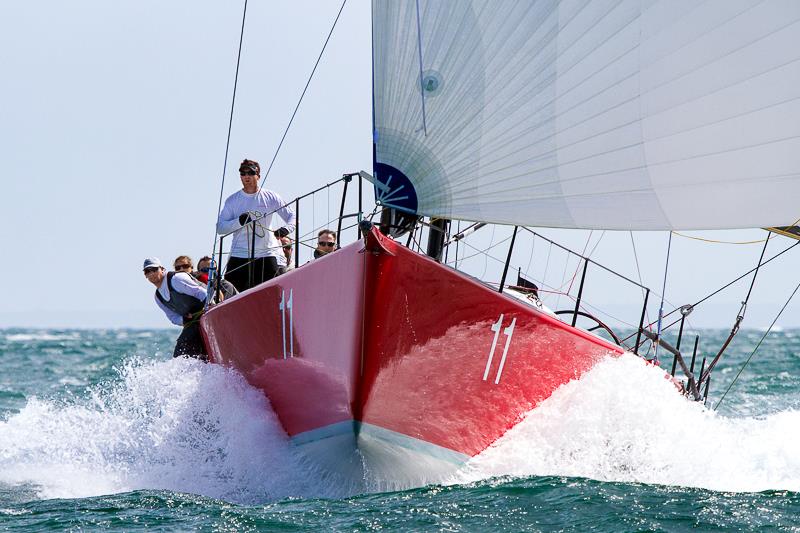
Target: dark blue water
102	429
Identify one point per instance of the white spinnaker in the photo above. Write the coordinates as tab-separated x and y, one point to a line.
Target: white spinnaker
614	114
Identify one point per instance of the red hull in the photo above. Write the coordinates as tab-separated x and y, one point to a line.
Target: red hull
390	339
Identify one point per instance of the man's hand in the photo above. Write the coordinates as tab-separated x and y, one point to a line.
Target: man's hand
281	232
244	218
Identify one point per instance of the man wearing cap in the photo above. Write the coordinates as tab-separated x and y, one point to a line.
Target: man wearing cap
182	299
248	212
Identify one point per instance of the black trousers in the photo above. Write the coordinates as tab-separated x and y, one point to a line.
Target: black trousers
190	342
239	271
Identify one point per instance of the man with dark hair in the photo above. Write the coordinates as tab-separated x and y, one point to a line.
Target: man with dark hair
326	243
226	287
183	300
246	213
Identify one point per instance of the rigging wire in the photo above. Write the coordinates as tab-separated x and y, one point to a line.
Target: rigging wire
486	259
484	252
663	293
230	123
458	232
308	82
547	264
739	317
530	259
714	293
564	277
757	346
591	252
578	266
638	271
760	260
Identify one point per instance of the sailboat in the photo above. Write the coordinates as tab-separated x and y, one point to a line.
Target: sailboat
390	368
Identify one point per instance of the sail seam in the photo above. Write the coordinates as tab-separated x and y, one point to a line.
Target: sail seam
421	87
549	153
510	192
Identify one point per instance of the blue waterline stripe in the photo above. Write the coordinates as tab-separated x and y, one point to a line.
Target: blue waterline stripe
354	427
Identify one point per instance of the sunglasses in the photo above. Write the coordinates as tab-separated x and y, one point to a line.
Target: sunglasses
150	270
328	244
204	270
247	172
182	267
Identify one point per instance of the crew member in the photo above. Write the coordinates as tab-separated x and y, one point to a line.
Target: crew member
182	299
250	210
226	287
326	243
286	261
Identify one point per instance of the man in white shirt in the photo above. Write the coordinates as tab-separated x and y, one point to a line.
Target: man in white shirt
183	300
250	210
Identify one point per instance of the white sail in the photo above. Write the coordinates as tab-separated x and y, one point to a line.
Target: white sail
616	114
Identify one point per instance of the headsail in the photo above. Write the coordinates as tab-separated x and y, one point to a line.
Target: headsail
616	114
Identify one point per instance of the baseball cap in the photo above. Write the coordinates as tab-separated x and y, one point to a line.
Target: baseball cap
151	262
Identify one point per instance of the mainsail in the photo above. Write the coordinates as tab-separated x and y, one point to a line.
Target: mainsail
615	114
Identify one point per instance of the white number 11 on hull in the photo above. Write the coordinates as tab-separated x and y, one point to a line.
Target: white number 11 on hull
508	332
283	306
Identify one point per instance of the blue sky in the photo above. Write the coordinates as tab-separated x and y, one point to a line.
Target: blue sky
114	117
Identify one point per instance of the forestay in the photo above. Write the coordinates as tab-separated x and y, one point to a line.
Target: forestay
616	114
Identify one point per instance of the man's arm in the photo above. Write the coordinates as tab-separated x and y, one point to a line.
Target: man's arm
286	213
184	283
228	220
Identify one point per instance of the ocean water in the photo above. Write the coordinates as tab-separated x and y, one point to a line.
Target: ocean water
102	429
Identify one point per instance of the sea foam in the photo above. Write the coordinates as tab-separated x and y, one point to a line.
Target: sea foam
185	426
623	421
179	425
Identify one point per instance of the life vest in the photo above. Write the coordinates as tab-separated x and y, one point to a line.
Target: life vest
182	304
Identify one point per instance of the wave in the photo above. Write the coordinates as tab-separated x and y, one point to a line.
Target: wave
41	336
623	421
179	425
185	426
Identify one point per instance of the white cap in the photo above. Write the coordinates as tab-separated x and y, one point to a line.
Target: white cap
151	262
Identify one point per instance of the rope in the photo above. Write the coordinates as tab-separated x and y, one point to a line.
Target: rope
715	241
730	242
757	346
289	125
